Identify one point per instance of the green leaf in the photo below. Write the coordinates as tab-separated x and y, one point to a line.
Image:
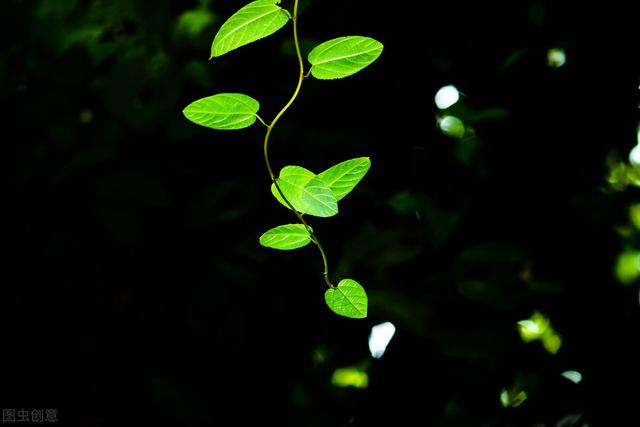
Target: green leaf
318	199
225	111
307	193
192	22
292	180
255	21
286	237
342	57
347	299
343	177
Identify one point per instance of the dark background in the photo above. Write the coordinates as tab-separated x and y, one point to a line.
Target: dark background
134	290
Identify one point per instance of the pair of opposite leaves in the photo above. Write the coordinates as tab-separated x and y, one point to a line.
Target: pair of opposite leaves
308	193
312	194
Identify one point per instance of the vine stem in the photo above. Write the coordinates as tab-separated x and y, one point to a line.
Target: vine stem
267	135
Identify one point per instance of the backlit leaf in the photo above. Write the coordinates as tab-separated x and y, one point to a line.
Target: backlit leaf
286	237
318	199
347	299
342	57
254	21
343	177
225	111
291	181
307	193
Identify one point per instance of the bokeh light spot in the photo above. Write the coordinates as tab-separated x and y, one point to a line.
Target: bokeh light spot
446	97
533	328
380	337
634	155
512	398
628	267
634	215
573	376
350	377
552	341
451	126
556	58
538	327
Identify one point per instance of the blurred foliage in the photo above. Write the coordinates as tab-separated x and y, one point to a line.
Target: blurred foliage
126	281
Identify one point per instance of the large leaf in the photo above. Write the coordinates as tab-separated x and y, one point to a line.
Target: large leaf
255	21
225	111
343	177
286	237
307	193
347	299
342	57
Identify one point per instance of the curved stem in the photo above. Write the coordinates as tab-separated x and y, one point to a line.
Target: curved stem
324	261
267	135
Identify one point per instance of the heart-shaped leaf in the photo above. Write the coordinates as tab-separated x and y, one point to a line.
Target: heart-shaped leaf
343	177
254	21
307	193
342	57
348	299
224	111
286	237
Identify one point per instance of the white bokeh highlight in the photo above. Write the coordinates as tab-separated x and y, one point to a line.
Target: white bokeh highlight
634	155
573	376
380	337
446	97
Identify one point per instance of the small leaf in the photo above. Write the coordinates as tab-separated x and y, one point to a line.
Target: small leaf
342	57
286	237
224	111
348	299
254	21
307	193
343	177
